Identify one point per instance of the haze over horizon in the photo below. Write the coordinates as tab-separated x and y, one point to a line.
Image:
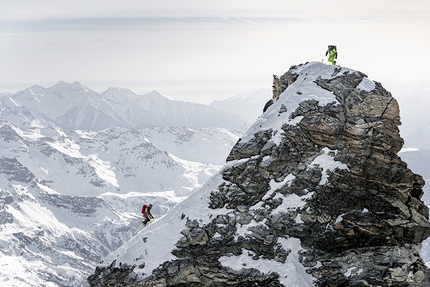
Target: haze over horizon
204	50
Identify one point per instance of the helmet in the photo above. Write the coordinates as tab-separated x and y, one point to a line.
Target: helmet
150	206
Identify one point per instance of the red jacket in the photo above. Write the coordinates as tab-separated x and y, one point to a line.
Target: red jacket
146	210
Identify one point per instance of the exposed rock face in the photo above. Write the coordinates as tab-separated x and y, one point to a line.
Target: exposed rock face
278	87
281	83
319	171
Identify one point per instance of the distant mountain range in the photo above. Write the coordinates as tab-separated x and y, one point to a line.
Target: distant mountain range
74	106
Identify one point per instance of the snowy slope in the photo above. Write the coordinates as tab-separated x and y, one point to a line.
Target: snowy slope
69	198
43	240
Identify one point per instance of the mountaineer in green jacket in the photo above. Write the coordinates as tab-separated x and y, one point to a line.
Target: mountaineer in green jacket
332	54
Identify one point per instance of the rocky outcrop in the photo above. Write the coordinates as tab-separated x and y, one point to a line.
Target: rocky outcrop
281	83
316	183
14	170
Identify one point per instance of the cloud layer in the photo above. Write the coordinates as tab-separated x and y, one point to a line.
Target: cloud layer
205	45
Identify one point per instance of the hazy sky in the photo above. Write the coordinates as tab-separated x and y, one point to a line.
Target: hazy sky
202	50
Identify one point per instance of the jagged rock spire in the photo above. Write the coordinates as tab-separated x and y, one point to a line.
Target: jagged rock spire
313	194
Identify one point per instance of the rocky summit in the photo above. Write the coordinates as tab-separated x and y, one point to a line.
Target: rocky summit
314	194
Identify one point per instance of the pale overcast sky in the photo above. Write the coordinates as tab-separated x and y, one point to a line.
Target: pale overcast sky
206	49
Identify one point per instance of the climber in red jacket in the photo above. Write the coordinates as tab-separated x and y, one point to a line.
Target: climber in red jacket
146	212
